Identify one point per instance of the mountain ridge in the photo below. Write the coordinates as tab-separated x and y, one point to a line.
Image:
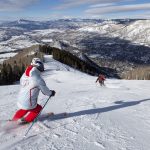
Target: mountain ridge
123	40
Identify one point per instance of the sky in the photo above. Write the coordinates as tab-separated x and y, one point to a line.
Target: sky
58	9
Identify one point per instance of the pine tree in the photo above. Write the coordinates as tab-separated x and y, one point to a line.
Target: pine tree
9	74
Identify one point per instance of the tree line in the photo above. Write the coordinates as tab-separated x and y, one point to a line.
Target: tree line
12	69
70	59
73	61
138	73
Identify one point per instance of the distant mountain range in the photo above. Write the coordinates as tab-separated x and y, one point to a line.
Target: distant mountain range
119	40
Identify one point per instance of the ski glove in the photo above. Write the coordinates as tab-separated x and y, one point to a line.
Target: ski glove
53	93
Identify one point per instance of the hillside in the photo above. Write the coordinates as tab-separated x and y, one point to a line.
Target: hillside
114	117
121	44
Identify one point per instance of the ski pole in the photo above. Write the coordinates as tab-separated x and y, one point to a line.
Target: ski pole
36	118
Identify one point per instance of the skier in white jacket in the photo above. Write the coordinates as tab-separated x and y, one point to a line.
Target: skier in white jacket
31	84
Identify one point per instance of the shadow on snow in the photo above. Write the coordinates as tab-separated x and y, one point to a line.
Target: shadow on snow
118	105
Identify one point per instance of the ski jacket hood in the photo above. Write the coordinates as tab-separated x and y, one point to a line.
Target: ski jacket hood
32	71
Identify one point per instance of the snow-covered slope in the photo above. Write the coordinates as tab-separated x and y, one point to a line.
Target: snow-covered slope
114	117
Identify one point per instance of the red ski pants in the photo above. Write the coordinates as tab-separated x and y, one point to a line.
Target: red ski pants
29	115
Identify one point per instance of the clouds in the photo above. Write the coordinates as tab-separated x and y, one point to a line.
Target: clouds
65	4
73	8
118	9
15	5
105	8
102	5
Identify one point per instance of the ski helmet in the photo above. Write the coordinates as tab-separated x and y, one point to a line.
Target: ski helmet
38	63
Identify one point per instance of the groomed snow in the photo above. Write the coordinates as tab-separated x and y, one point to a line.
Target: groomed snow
114	117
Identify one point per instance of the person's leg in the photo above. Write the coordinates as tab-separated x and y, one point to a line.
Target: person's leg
33	113
19	114
100	82
103	83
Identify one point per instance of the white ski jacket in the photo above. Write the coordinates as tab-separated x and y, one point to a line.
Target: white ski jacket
31	84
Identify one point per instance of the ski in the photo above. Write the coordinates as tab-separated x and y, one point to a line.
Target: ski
9	125
52	116
49	114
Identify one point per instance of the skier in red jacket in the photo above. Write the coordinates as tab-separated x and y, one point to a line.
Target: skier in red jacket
101	78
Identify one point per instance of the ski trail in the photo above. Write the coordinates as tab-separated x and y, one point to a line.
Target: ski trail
114	117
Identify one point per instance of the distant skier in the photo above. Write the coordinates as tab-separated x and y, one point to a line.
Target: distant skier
31	84
101	78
